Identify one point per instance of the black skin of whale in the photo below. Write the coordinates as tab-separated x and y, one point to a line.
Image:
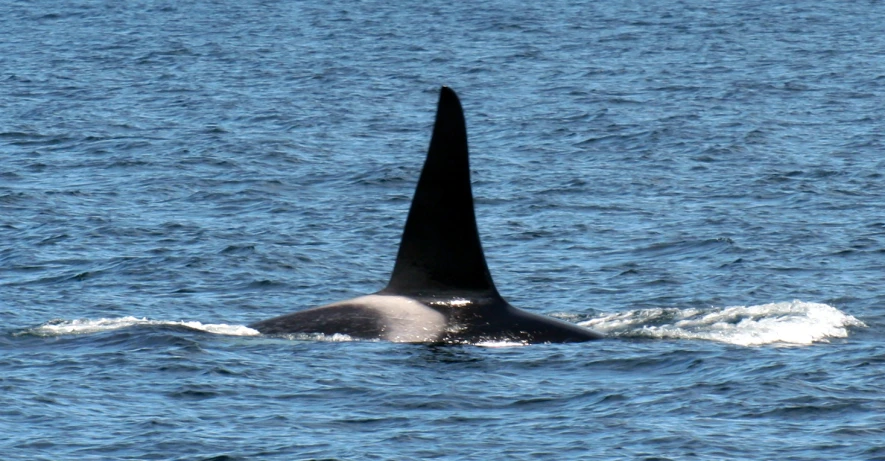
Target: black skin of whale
441	290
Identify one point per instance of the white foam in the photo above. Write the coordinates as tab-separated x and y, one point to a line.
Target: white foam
499	344
794	322
333	338
85	326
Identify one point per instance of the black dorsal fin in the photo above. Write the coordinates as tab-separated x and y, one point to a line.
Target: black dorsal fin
440	250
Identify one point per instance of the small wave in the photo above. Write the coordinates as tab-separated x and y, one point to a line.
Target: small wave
794	322
86	326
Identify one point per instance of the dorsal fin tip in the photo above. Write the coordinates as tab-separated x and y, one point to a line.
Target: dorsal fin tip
440	249
448	92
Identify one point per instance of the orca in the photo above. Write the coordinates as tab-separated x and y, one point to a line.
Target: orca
441	290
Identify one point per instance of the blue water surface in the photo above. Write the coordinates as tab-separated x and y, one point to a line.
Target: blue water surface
223	162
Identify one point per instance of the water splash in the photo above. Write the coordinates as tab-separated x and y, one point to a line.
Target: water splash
794	322
500	344
333	338
86	326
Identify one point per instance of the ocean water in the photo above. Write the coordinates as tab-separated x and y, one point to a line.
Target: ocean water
703	181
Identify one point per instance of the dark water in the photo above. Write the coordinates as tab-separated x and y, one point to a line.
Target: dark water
701	180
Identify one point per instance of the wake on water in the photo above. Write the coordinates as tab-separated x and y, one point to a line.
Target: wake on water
86	326
797	322
794	322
